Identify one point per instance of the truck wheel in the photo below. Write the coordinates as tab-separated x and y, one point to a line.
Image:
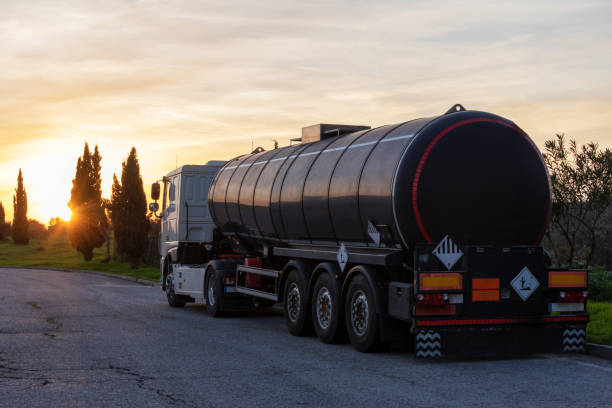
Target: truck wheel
174	300
213	294
328	319
296	308
361	315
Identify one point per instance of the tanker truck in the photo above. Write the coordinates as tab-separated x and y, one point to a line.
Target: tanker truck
427	230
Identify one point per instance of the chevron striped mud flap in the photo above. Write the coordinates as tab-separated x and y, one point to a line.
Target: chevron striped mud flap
428	343
573	340
498	340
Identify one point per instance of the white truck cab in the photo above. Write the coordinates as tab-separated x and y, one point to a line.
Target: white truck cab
185	214
185	218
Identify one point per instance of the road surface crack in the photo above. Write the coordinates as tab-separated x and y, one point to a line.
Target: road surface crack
141	379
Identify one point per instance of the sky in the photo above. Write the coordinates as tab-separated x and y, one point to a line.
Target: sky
196	80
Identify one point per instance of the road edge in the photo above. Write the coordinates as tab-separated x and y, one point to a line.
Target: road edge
107	274
599	350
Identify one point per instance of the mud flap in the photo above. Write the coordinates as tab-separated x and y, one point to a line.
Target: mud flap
428	343
573	340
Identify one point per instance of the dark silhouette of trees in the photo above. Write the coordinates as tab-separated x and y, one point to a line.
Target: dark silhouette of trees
4	226
20	213
129	211
36	229
88	222
581	181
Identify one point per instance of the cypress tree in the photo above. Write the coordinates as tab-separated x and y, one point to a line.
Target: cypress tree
3	225
115	208
129	211
88	223
20	213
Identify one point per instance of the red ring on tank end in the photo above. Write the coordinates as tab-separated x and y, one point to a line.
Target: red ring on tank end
430	146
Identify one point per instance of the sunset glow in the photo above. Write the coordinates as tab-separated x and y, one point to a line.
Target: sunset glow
191	81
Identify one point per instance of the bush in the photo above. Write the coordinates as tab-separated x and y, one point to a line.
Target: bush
600	285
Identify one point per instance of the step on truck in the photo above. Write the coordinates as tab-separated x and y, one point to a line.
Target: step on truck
427	230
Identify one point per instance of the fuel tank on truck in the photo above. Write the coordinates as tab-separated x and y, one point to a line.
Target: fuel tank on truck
473	175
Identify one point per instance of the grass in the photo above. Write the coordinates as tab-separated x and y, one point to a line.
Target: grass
55	251
599	329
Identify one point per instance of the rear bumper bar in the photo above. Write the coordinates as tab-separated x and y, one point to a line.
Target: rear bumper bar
500	339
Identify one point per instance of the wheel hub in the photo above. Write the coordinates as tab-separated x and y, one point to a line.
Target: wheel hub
324	308
359	313
293	302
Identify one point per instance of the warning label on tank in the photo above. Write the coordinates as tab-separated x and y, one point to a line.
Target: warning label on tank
525	283
448	252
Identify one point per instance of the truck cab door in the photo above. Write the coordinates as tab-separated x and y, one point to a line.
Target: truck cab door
171	209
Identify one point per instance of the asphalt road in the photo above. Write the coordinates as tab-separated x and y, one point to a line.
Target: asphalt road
75	339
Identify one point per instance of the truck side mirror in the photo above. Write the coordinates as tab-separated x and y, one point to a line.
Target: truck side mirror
153	207
155	191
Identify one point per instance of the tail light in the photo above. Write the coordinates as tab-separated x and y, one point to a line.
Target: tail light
432	299
573	296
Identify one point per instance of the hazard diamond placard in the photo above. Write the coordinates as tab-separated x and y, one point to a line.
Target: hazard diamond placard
448	252
525	283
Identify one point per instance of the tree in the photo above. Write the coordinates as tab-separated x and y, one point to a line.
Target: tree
88	222
129	210
4	226
20	213
581	181
36	229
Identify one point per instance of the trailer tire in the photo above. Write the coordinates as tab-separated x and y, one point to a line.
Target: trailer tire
295	306
174	300
213	293
327	311
361	316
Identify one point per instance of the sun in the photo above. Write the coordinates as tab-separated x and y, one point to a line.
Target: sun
59	210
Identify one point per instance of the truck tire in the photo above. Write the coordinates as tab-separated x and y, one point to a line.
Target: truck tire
174	300
362	322
214	294
295	307
327	313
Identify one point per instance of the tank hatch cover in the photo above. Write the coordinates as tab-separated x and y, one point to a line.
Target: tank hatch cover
322	131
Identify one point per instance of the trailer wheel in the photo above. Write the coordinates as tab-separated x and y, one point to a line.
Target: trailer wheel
213	294
328	319
361	315
174	300
296	308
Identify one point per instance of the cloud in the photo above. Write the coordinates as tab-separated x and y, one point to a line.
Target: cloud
201	80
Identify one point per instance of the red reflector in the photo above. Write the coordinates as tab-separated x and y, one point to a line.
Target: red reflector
566	319
435	310
500	320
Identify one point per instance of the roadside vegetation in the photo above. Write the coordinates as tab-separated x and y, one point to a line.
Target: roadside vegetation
599	330
55	251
